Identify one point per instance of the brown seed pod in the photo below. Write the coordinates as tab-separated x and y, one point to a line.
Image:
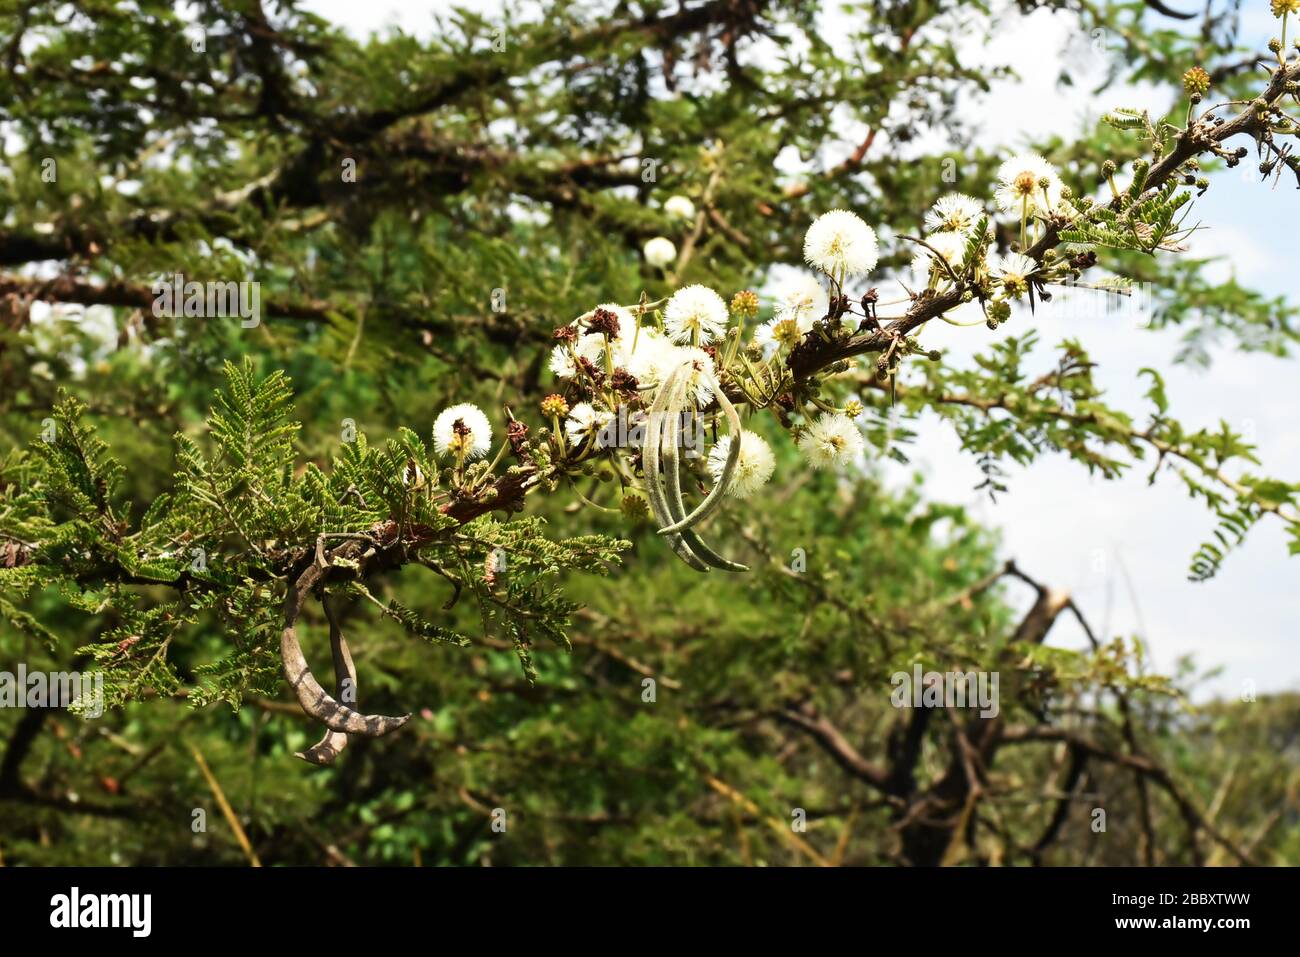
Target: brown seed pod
315	700
329	747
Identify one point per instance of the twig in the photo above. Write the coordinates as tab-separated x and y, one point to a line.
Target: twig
226	809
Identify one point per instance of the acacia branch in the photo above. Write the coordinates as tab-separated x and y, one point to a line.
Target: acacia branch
814	353
1129	434
70	289
1192	817
299	182
506	328
835	744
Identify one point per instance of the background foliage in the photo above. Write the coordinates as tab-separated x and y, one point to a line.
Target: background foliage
509	155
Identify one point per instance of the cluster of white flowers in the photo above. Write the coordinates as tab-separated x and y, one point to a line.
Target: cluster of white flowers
840	246
1028	186
646	353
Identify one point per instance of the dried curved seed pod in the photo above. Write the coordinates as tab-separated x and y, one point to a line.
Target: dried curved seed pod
650	465
333	743
313	698
713	501
672	470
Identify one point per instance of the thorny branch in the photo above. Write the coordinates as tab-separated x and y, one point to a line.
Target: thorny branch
930	819
1205	135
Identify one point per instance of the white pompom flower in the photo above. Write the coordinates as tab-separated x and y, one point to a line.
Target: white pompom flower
680	207
954	213
802	299
585	420
649	356
695	314
779	334
841	244
462	431
832	441
800	302
591	347
753	468
951	246
699	375
562	365
1020	184
1013	271
660	252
